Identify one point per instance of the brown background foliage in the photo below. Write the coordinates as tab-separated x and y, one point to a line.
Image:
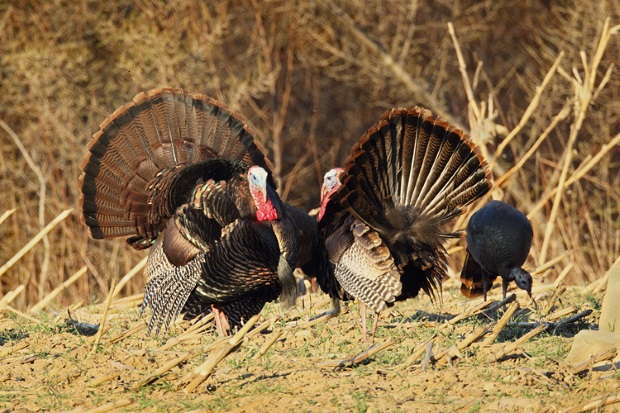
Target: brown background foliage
308	84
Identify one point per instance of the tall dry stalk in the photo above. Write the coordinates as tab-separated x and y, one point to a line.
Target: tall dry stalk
585	92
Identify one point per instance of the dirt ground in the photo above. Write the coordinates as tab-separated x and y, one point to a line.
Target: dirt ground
48	366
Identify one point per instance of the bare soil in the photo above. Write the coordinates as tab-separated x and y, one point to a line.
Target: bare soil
48	366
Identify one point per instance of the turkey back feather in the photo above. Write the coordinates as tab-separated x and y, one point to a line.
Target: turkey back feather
130	180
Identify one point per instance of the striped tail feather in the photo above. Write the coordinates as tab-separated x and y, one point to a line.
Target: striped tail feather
139	150
413	160
414	143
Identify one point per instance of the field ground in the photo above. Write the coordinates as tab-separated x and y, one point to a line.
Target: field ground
48	366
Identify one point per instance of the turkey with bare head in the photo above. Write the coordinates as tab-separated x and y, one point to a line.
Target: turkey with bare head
383	215
180	174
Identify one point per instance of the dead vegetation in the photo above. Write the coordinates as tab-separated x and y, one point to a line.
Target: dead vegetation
534	83
459	356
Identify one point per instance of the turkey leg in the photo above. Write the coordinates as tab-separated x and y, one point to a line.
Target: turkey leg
221	322
363	314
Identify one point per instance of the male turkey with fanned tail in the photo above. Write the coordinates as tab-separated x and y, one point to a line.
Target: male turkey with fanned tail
499	238
181	174
382	215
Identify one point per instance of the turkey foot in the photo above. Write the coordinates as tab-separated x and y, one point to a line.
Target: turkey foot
221	322
375	322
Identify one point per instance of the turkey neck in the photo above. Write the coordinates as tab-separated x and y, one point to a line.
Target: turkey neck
239	192
305	228
287	242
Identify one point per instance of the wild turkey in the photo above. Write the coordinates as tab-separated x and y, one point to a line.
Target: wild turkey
380	231
499	238
181	173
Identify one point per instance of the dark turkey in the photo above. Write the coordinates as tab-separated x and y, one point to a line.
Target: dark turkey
499	238
180	173
382	216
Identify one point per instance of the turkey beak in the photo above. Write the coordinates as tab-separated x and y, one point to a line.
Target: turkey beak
323	193
533	301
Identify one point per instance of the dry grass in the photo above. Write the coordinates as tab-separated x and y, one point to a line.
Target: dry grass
477	359
310	77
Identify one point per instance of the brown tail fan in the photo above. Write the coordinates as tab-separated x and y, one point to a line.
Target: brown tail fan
414	160
145	146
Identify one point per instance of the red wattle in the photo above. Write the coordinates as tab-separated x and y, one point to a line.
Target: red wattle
325	200
265	211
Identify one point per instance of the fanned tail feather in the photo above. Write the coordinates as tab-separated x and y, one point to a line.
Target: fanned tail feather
146	140
142	146
414	160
